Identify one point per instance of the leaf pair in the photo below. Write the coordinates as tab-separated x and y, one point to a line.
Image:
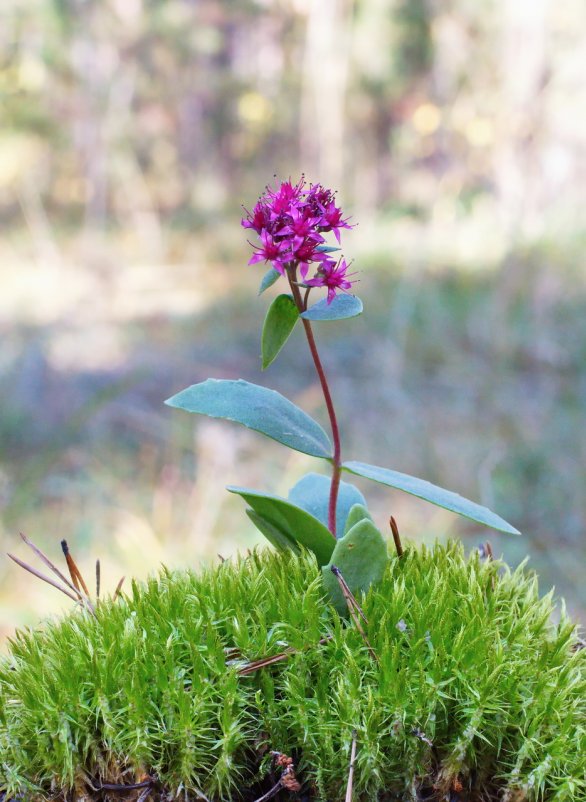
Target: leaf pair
360	554
301	519
270	413
283	314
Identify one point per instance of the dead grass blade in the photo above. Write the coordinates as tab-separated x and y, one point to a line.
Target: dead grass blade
50	565
263	662
44	578
355	610
396	537
74	571
98	580
118	589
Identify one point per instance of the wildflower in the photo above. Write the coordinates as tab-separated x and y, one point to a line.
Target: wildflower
304	251
332	220
258	219
302	225
290	221
270	251
332	275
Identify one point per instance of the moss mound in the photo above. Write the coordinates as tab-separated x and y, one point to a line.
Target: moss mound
477	694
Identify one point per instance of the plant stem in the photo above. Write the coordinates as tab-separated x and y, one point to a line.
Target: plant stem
336	459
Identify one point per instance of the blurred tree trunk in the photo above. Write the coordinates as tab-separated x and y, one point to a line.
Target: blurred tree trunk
325	79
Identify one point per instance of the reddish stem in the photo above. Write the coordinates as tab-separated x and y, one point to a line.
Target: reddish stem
336	459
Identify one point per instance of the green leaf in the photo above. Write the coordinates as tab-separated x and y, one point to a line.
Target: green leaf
268	279
291	521
312	493
279	323
357	513
259	408
362	557
432	493
327	248
341	307
273	534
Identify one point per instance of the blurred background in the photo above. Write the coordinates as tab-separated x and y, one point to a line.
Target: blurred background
131	133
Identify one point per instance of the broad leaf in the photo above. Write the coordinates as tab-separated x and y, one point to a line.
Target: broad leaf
259	408
362	557
275	536
327	248
341	307
432	493
312	493
279	323
291	521
357	513
268	279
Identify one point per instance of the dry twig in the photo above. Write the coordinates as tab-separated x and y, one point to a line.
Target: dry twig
74	571
44	578
43	557
98	580
396	537
351	769
262	662
118	589
355	610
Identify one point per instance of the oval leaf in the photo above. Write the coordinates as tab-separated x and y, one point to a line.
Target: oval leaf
432	493
259	408
341	307
357	513
275	536
312	493
291	521
362	557
279	323
268	279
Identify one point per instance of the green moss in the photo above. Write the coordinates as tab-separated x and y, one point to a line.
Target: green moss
469	661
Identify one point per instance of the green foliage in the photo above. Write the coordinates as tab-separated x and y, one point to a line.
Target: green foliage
312	493
361	556
294	523
269	278
342	306
259	408
432	493
279	322
469	661
357	513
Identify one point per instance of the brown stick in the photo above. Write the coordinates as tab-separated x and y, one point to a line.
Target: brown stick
262	662
354	609
396	537
49	564
118	588
76	576
44	578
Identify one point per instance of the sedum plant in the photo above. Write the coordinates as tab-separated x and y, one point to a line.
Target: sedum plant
324	514
246	682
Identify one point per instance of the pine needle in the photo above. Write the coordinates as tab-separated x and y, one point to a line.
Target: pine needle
44	578
50	565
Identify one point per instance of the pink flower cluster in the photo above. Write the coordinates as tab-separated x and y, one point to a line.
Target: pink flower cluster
291	221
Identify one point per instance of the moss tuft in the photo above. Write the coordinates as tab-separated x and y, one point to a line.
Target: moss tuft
476	688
